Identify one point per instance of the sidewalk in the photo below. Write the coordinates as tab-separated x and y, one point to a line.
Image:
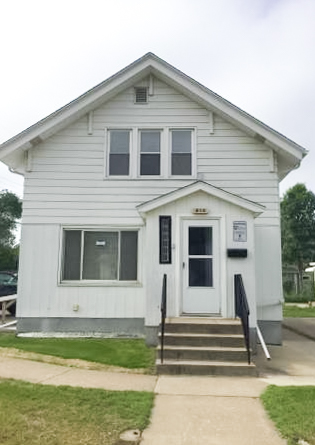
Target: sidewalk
194	410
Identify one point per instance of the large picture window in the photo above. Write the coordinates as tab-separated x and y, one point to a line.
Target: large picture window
181	141
119	152
150	152
94	255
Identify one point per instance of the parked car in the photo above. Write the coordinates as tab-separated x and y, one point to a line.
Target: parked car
8	286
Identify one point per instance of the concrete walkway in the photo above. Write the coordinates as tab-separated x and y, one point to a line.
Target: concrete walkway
194	410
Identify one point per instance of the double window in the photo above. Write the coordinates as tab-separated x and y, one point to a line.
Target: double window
95	255
143	152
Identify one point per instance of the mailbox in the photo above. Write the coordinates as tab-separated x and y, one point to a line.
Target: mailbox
237	253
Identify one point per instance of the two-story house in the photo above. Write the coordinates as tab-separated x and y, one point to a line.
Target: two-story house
149	173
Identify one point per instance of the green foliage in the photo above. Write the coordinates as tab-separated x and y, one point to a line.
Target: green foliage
298	227
292	410
33	414
126	353
10	212
9	257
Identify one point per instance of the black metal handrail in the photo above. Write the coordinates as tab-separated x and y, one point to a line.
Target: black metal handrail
242	309
163	314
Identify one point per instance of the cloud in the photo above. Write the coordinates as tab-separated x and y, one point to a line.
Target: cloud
256	54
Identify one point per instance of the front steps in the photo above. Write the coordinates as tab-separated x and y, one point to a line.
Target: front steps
204	346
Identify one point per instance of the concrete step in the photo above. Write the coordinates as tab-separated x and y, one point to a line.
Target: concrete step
203	326
192	367
191	339
204	353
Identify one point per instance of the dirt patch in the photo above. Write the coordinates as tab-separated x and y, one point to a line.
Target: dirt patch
75	363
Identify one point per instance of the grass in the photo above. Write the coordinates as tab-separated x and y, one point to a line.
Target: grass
125	353
32	414
292	410
298	312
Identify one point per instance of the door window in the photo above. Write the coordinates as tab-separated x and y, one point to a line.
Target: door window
200	257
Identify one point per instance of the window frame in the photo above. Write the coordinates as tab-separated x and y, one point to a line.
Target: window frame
95	282
161	152
192	152
108	152
135	151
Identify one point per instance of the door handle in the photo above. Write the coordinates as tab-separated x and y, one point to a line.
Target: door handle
183	265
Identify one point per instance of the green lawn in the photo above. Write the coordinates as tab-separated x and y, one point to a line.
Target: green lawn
292	410
33	414
126	353
298	312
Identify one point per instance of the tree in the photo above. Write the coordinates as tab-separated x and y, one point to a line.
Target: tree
298	228
10	212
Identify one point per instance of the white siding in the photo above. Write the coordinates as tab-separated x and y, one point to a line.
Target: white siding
67	178
180	210
40	295
66	186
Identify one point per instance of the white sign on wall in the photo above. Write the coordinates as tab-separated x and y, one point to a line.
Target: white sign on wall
239	231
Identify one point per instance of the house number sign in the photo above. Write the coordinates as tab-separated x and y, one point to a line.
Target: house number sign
239	231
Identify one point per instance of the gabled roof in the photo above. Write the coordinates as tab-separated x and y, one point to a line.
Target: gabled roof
198	186
12	149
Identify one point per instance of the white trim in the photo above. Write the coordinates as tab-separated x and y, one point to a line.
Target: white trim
105	154
90	123
103	228
193	151
150	64
29	160
148	206
131	150
151	85
138	171
211	123
179	274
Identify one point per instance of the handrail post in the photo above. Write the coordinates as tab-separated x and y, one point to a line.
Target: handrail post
163	314
242	310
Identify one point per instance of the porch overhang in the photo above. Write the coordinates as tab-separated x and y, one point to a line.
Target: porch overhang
182	192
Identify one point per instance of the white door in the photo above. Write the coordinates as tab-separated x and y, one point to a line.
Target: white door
200	266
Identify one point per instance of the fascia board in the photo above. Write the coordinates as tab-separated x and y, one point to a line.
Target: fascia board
128	76
251	206
75	109
226	109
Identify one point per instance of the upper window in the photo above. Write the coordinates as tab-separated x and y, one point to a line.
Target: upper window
150	162
141	95
119	152
181	141
91	255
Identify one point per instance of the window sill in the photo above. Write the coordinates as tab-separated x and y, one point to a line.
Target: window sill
100	283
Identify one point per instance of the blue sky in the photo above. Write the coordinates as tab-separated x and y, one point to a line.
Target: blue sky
258	54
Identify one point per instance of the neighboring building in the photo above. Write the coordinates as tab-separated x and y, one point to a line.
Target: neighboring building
145	174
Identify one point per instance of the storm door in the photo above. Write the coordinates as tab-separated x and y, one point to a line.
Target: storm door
200	267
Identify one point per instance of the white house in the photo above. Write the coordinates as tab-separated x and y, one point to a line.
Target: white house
148	173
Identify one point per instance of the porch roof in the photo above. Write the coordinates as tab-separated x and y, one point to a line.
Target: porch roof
209	189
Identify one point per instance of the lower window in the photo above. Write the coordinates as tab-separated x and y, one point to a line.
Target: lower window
94	255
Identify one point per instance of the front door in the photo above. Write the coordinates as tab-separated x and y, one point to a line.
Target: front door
201	290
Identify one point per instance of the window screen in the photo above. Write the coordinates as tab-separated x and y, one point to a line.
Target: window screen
95	255
72	254
181	152
150	152
119	148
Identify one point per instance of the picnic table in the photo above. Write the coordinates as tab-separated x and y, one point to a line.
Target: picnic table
5	303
